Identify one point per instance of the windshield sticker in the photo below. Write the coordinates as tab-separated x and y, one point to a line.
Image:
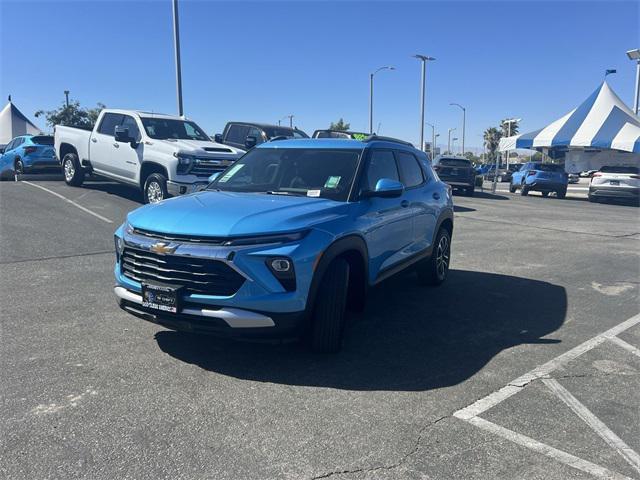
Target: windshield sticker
332	182
359	136
231	173
313	193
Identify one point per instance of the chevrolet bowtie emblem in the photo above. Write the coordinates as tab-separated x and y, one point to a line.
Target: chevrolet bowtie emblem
162	248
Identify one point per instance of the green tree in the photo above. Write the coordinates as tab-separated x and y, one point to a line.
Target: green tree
505	128
72	114
340	126
492	138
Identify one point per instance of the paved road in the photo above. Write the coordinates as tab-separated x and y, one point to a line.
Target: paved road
91	392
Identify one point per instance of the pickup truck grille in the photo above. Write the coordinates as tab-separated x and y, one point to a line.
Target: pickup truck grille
205	167
196	275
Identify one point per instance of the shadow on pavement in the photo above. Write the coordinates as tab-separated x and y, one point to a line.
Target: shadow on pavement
461	209
113	188
489	195
410	338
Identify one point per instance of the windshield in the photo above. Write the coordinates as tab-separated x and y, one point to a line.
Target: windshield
166	129
42	139
273	132
286	171
454	162
548	167
620	169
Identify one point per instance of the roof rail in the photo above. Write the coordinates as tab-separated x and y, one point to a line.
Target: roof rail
373	137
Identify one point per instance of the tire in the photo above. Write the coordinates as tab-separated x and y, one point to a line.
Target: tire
19	167
71	170
155	188
432	270
525	190
327	328
512	188
561	193
545	194
593	199
469	191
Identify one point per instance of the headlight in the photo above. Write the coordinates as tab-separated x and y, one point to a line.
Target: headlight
264	239
184	162
119	246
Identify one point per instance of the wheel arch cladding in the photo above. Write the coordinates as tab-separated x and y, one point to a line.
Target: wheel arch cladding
66	148
148	168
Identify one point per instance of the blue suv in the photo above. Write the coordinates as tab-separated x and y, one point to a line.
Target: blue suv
286	239
28	152
541	177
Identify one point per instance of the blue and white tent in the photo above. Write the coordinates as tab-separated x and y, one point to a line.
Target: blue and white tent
602	121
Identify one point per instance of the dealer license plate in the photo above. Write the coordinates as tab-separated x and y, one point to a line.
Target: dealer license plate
161	297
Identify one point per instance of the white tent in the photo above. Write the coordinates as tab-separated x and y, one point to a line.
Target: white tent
14	123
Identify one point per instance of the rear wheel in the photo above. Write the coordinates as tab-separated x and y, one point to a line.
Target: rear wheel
19	167
593	199
434	270
524	190
73	173
545	194
155	188
469	191
561	193
328	319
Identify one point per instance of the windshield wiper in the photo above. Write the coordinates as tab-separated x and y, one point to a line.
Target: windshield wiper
283	192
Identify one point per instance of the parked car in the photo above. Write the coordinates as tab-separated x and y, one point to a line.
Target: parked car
574	178
163	155
339	134
615	182
286	238
6	166
27	153
247	135
540	177
457	172
587	173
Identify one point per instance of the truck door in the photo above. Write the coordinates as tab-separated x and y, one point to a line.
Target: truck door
130	157
103	148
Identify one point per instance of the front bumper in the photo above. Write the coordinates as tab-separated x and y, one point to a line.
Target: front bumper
621	192
177	188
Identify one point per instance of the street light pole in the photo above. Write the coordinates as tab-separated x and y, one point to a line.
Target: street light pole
424	59
66	95
464	121
176	46
635	55
508	122
290	117
449	141
371	75
433	139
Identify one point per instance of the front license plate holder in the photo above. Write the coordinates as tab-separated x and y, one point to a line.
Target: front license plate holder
161	297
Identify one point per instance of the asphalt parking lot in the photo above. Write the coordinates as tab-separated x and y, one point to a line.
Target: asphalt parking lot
525	364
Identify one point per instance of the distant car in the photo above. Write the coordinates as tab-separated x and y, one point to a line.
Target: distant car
574	178
457	172
246	135
339	134
6	166
27	153
587	173
540	177
619	182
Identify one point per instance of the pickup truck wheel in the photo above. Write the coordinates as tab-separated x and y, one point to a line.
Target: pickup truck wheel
72	171
328	319
434	270
155	188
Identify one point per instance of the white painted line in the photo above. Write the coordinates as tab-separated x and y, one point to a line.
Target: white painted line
77	205
627	346
544	370
563	457
594	422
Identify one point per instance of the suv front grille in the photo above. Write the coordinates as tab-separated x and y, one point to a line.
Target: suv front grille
205	167
196	275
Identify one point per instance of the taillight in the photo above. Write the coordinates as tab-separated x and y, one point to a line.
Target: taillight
28	150
531	172
597	174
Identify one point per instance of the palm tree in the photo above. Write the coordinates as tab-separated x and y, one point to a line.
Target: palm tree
491	140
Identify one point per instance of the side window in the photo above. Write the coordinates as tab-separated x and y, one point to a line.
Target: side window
237	134
382	164
17	142
254	132
109	123
9	146
130	123
410	171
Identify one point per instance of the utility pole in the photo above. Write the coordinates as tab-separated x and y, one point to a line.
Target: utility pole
464	121
371	75
423	81
635	55
176	46
66	95
290	117
449	141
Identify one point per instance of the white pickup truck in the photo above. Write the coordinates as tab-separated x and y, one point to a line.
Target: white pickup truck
161	154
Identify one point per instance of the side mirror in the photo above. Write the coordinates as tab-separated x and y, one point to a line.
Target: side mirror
217	138
214	176
1	150
122	135
386	188
250	142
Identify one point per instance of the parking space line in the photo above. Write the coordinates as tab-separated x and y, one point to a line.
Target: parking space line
544	370
77	205
627	346
594	423
549	451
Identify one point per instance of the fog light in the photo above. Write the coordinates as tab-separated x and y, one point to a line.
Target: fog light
281	265
282	269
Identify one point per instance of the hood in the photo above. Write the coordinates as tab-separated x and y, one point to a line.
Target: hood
197	147
222	214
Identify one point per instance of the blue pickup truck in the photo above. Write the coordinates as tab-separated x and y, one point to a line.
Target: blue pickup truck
286	239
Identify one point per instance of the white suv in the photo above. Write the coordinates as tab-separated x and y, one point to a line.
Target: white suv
619	182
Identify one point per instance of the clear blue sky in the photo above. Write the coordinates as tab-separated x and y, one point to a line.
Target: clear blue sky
263	60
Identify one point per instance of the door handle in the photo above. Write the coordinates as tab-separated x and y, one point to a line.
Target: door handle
94	140
116	144
404	203
436	195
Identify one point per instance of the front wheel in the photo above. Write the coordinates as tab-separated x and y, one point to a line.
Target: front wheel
561	193
434	270
545	194
73	173
19	167
328	319
512	188
155	188
524	190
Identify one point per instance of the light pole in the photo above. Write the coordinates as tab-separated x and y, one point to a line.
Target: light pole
176	46
66	95
290	117
449	141
635	55
464	121
424	59
433	138
508	122
453	142
371	75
